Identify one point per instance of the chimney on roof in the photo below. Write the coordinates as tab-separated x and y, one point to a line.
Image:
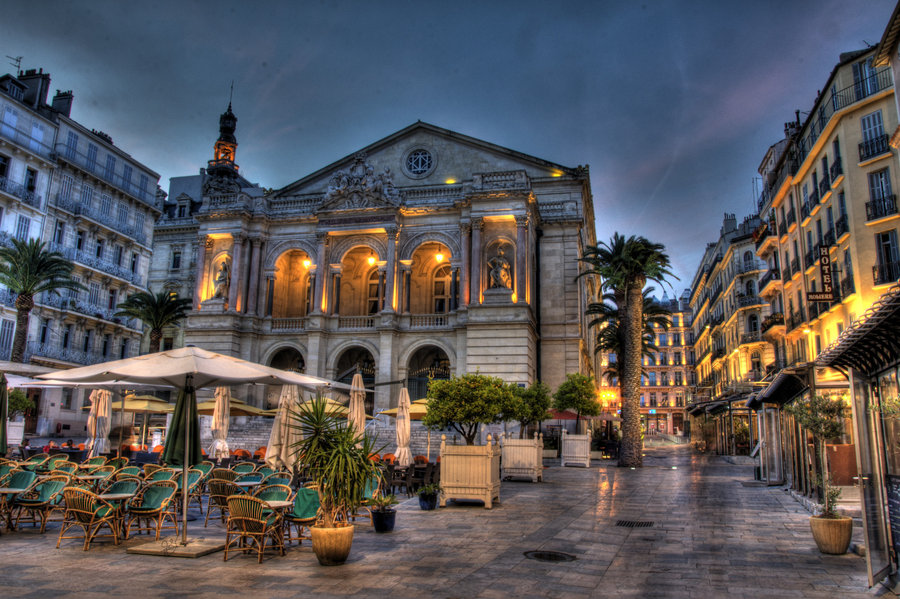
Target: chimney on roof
62	102
37	86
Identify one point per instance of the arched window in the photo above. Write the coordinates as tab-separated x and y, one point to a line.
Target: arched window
441	289
372	297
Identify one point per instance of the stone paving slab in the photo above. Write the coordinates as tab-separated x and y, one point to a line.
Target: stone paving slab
711	537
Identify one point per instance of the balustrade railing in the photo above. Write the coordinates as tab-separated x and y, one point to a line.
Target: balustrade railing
356	322
99	170
86	259
106	220
21	192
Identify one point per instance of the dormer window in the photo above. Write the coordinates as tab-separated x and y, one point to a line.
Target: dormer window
182	210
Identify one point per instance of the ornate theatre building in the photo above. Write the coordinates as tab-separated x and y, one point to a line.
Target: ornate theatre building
427	253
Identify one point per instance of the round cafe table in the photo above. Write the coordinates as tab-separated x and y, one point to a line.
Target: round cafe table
249	483
116	496
279	504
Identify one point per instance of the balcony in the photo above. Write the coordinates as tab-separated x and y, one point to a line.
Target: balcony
836	170
764	232
99	171
773	320
848	287
90	261
754	337
19	191
824	187
817	308
285	325
782	228
63	355
718	353
769	277
885	273
841	226
8	298
69	304
20	137
745	266
356	322
829	238
428	321
809	259
95	215
791	217
795	266
745	301
786	273
881	207
872	148
796	319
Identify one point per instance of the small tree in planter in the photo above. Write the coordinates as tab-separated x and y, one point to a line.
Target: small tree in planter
384	516
428	496
465	402
19	403
823	417
530	405
577	393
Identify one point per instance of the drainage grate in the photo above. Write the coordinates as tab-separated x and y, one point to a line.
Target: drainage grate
634	523
550	556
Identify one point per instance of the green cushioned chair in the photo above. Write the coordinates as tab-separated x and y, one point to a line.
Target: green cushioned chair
306	509
248	523
37	503
90	513
152	503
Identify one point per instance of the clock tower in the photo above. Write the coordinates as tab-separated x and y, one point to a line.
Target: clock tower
226	146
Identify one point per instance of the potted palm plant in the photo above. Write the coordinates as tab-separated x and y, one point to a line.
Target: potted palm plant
428	496
823	417
384	516
338	460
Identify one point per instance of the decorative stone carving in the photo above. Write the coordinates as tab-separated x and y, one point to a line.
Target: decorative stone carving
500	271
218	186
222	281
359	187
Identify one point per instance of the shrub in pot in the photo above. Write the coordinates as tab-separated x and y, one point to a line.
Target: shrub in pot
823	417
383	515
338	459
428	496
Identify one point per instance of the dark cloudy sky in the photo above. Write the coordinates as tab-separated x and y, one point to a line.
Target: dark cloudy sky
672	104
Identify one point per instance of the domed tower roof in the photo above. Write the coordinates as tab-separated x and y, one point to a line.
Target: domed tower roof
227	125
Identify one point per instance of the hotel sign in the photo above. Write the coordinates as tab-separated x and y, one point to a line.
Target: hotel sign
827	293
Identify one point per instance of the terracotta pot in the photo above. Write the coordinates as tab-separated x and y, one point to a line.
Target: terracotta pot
832	535
332	545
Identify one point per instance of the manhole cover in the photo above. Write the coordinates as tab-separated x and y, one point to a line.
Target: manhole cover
634	523
550	556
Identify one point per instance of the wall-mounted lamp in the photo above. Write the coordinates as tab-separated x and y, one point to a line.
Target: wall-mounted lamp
371	258
307	263
439	257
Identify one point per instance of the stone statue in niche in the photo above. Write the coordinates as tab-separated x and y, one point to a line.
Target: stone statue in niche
500	271
222	278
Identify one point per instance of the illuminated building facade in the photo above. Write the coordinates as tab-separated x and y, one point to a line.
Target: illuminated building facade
427	253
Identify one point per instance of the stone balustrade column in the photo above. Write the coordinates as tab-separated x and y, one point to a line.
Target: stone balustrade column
234	285
202	246
253	292
475	272
521	253
321	271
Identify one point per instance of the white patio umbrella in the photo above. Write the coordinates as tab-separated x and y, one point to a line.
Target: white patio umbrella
221	416
99	421
188	368
280	452
357	418
404	456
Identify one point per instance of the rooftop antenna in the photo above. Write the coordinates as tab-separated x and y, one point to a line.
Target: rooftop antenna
231	92
15	61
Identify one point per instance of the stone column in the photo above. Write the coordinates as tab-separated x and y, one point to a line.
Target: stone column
234	285
465	230
521	253
244	291
202	246
321	271
253	292
390	285
475	270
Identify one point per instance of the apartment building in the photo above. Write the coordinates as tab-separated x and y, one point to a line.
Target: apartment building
88	199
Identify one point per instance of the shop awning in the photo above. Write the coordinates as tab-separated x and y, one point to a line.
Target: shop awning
873	343
785	387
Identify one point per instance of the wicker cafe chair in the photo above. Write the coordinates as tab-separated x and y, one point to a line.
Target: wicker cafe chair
94	462
244	467
250	477
34	461
266	471
161	474
278	478
248	523
52	463
152	503
149	469
6	471
127	471
370	493
87	511
70	467
306	509
223	474
118	463
39	501
194	478
219	492
273	492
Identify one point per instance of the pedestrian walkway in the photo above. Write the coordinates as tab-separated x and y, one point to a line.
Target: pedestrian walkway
711	536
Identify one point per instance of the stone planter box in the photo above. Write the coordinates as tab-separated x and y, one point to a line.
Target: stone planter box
576	450
551	454
15	432
523	458
470	472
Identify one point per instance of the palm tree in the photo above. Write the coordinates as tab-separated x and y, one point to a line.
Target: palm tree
625	266
26	269
156	310
606	314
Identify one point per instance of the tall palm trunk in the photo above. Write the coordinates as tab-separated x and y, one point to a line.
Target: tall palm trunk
631	452
24	304
155	339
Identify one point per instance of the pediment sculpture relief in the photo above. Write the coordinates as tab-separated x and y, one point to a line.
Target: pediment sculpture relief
360	187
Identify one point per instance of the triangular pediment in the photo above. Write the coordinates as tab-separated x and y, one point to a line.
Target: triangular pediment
421	155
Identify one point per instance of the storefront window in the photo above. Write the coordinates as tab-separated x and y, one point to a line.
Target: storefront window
887	391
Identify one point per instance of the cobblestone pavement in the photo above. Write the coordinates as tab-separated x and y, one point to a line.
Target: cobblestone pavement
711	537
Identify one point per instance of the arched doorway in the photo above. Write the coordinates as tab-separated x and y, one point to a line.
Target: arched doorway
353	360
286	358
427	363
292	293
429	288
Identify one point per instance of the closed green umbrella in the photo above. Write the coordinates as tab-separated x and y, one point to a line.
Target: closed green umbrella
183	439
4	407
